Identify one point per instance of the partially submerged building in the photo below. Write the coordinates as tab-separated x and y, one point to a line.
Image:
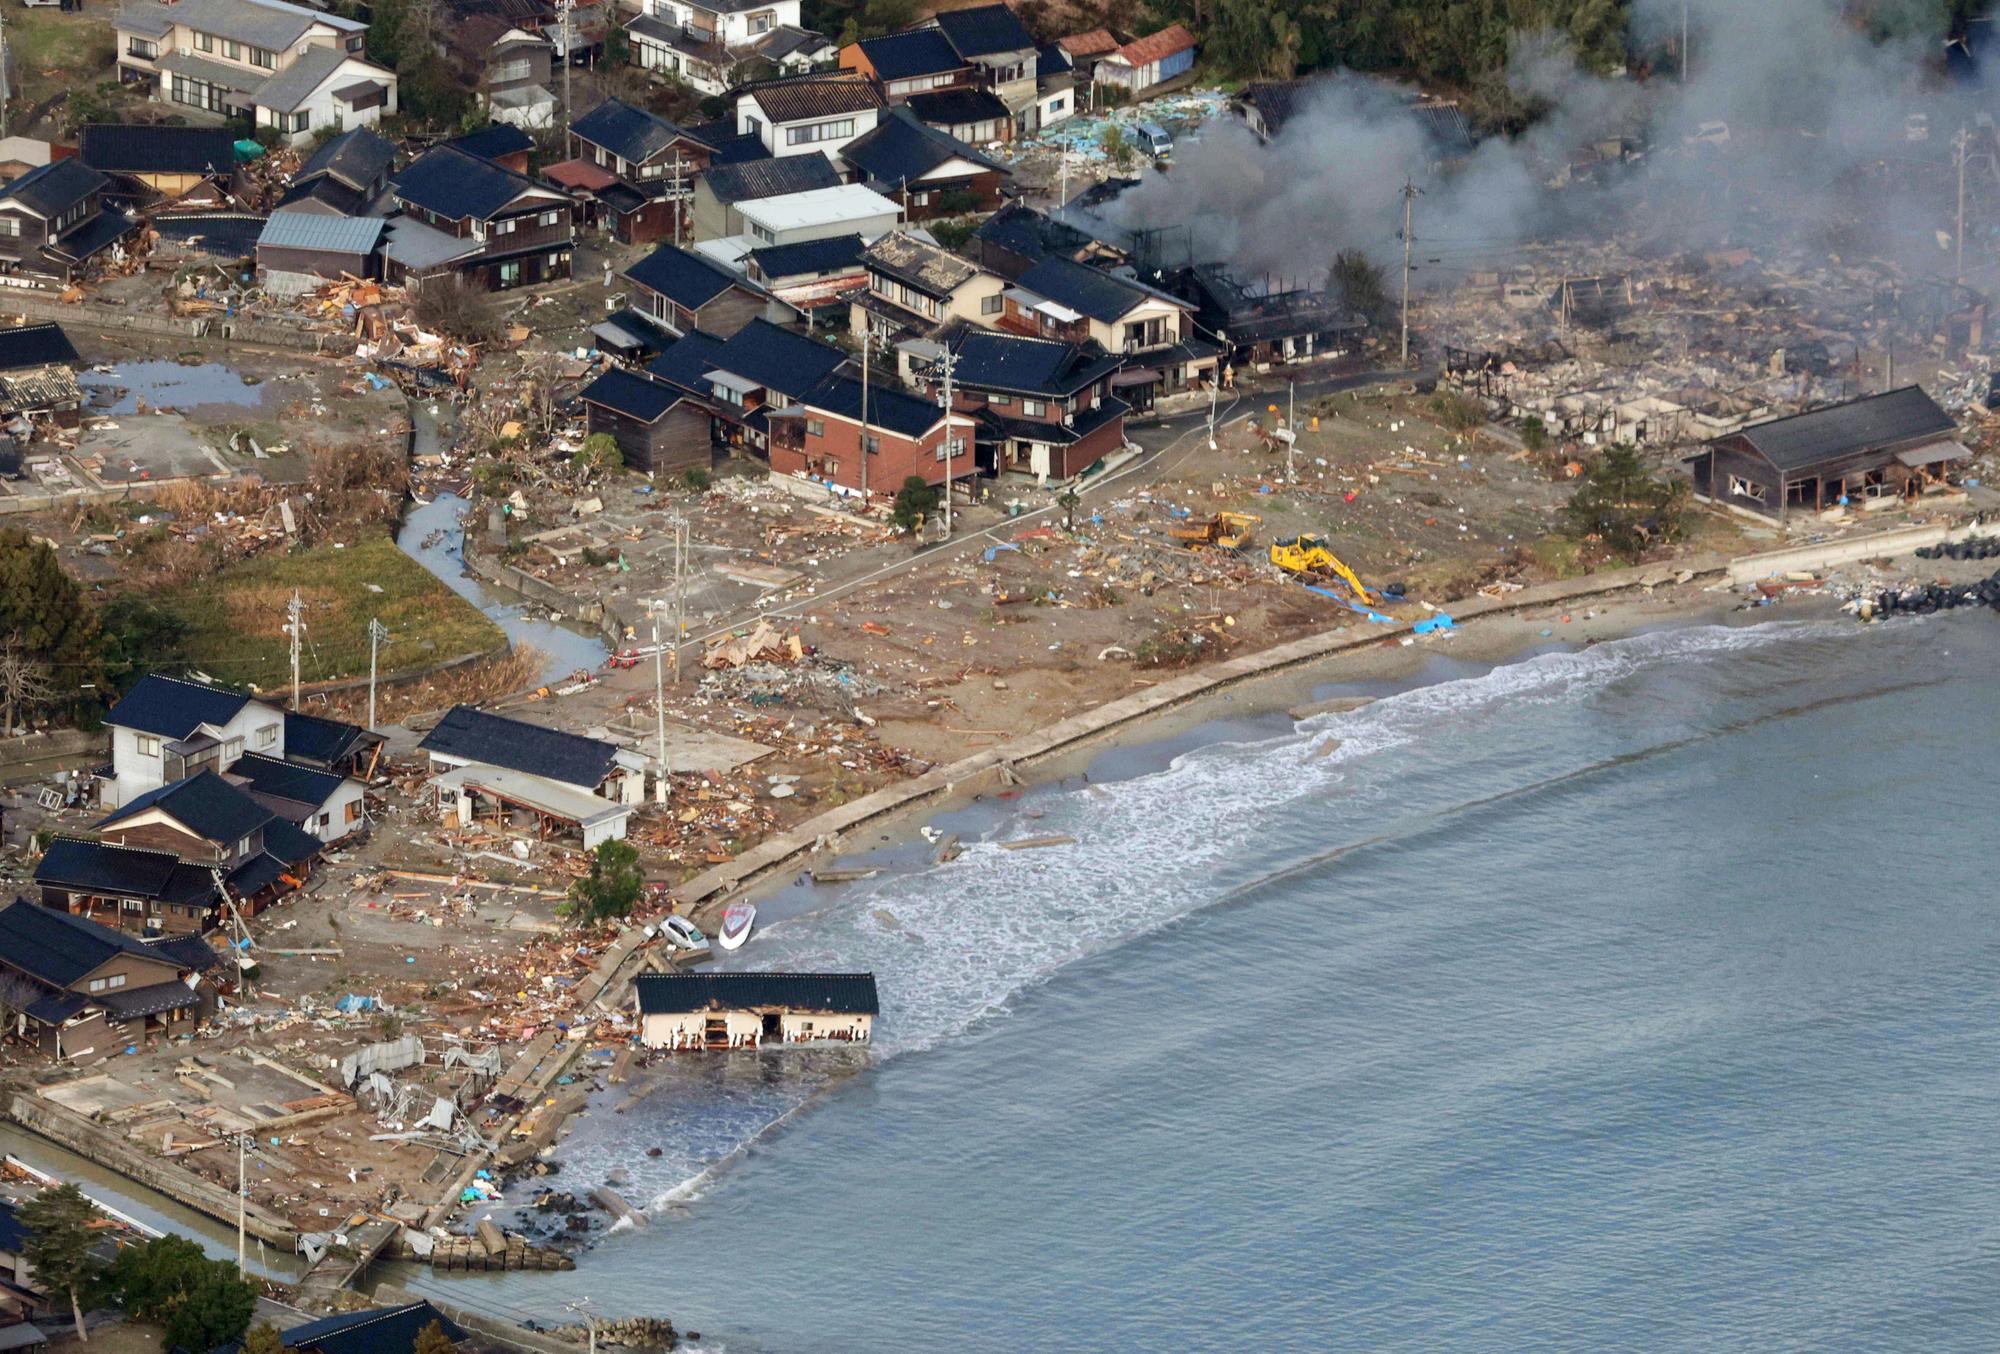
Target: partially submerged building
749	1010
1888	446
563	779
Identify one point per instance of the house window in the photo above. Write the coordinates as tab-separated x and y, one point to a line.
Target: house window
1058	105
267	735
260	57
1000	401
233	50
1034	408
652	171
243	847
871	444
510	274
760	23
753	127
149	746
815	428
353	810
504	227
548	218
992	305
10	226
231	750
301	120
921	199
520	68
141	48
1742	488
819	131
117	979
762	233
204	43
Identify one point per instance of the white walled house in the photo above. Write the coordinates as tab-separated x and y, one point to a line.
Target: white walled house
733	25
683	1010
565	779
809	114
285	66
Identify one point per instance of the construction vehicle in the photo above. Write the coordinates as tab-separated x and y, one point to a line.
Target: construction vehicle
1224	531
1309	558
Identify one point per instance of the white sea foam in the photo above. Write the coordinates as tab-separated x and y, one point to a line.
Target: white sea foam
966	939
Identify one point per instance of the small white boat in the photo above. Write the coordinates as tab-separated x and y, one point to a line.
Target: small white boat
737	919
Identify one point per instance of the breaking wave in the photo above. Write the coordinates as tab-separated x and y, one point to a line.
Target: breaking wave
956	945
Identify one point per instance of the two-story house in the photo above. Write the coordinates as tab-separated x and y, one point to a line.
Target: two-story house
866	440
714	45
347	176
761	367
1016	238
296	70
469	216
1150	329
53	221
993	40
166	730
915	286
928	171
905	64
513	69
1045	409
809	114
684	291
83	991
720	190
653	164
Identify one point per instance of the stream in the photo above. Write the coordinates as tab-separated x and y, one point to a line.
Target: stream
433	534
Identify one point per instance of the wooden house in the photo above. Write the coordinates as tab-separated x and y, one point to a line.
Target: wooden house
80	991
159	166
685	291
657	429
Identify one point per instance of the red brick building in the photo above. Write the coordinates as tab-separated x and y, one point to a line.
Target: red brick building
820	438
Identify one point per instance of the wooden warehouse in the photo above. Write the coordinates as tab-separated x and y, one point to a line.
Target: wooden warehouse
1880	448
657	429
747	1010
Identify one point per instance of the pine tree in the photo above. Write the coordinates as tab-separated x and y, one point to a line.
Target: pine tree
263	1338
60	1236
432	1340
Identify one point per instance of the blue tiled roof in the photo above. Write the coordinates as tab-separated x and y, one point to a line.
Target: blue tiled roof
630	394
173	708
688	361
684	277
58	948
494	740
903	148
984	31
777	358
831	255
1029	366
902	56
205	804
104	869
311	738
630	133
456	185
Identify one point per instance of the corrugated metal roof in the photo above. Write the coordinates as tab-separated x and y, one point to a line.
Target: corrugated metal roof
315	230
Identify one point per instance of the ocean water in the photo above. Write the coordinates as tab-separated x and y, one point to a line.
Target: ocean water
1644	997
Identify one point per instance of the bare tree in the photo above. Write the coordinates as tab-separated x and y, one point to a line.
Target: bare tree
25	682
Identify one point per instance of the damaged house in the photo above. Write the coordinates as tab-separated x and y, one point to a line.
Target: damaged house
748	1010
470	216
914	286
1152	329
1266	324
155	166
54	221
563	779
81	992
1883	447
38	377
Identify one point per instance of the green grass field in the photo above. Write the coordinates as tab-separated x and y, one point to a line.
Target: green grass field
54	50
240	612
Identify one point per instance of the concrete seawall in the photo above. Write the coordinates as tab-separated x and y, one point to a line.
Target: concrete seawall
80	1135
985	768
1822	555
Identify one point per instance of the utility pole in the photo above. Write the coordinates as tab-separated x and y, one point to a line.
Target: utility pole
242	1194
867	346
1062	193
6	84
1410	191
660	701
1961	142
1291	424
377	632
295	627
1684	41
680	186
950	445
569	42
683	564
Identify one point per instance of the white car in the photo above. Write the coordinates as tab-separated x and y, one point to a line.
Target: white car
680	933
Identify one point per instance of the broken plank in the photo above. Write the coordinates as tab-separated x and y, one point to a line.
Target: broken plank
1032	843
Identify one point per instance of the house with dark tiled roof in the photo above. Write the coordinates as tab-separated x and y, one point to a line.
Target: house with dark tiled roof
81	991
464	215
503	143
1045	408
866	440
658	429
287	67
210	821
38	374
1016	238
651	162
373	1330
813	276
346	176
761	368
811	114
720	190
483	762
916	62
992	39
928	170
685	291
159	166
55	221
745	1010
134	889
1151	330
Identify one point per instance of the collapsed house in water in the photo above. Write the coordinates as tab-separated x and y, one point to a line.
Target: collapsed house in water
747	1010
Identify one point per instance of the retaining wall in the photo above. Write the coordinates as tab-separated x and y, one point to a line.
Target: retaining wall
40	747
1821	555
74	1131
237	329
502	574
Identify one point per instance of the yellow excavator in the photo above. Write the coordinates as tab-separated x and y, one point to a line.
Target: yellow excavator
1309	558
1224	531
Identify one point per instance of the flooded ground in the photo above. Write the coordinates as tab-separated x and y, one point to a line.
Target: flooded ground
169	385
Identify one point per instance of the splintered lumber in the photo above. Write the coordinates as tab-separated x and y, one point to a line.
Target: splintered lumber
1034	843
